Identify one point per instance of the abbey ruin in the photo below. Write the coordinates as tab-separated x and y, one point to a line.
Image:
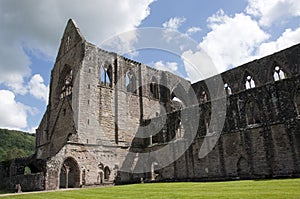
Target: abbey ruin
101	103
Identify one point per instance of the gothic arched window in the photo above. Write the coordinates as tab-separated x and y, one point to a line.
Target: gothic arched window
278	74
130	82
228	90
249	82
106	75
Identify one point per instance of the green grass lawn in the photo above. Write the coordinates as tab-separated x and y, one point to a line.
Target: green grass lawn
287	188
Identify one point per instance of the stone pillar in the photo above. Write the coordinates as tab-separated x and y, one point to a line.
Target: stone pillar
67	176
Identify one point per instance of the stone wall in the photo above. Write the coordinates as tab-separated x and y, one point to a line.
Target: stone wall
260	137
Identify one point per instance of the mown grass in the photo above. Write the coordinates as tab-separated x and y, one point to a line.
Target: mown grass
286	188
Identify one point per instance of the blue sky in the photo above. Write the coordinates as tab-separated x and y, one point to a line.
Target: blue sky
231	32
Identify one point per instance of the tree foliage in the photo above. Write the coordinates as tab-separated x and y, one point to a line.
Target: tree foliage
15	144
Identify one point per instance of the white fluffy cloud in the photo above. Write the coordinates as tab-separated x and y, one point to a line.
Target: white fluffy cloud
37	26
174	23
193	30
198	65
232	40
270	11
168	66
37	88
13	114
287	39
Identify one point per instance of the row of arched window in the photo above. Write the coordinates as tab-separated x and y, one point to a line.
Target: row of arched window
130	81
249	81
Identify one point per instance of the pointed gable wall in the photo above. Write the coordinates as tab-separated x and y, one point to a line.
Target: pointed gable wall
64	89
71	37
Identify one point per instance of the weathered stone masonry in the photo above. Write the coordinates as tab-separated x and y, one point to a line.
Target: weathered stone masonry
99	101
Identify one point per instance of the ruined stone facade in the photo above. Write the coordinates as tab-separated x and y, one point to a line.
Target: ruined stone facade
100	101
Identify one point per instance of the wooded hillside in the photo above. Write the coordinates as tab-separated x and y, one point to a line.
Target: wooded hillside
15	144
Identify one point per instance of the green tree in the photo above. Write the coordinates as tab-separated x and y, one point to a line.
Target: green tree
15	144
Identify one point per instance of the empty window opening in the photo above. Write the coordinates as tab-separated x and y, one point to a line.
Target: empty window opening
249	82
130	82
203	97
252	113
228	90
102	75
127	80
278	74
27	170
106	76
154	88
64	112
66	89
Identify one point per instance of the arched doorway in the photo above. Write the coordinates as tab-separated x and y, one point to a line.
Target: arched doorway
69	174
106	173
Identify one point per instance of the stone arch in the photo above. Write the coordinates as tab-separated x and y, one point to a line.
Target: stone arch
69	176
179	96
106	173
243	170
